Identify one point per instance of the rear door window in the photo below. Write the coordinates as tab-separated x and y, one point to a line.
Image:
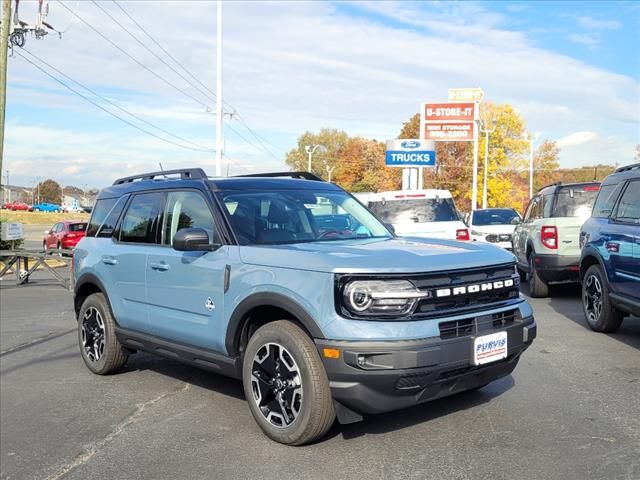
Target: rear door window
419	210
575	201
140	222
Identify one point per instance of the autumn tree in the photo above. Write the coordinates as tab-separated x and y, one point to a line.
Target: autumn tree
325	157
545	164
49	192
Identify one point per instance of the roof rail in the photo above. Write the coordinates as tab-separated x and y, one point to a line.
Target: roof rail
628	167
554	184
185	173
299	175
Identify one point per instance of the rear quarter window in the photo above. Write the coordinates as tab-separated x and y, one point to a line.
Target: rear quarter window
606	200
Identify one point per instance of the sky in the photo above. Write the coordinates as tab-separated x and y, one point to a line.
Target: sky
571	69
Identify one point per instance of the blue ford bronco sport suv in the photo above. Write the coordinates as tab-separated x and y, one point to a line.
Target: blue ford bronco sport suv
293	286
610	259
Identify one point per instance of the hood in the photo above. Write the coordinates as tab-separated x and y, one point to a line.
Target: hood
396	255
495	229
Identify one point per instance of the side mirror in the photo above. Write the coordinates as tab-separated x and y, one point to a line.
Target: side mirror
516	221
192	240
391	228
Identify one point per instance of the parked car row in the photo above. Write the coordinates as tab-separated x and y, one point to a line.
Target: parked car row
587	233
44	207
552	243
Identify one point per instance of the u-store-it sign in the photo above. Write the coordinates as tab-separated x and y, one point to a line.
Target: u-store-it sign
448	112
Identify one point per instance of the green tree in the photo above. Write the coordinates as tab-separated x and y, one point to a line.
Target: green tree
50	192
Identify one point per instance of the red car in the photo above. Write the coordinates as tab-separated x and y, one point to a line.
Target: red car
18	206
65	235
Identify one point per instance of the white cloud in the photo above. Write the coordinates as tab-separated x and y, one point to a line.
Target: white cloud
591	40
291	67
597	24
577	138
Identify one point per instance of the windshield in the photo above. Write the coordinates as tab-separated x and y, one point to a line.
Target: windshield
495	216
575	201
296	216
420	210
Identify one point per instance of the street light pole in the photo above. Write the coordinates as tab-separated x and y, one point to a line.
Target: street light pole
530	138
486	159
310	149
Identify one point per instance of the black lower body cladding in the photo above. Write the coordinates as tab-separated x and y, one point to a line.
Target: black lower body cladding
377	377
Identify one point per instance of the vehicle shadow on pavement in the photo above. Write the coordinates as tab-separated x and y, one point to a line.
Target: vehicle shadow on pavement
566	300
408	417
185	373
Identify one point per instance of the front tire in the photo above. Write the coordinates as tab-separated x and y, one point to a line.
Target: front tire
100	349
599	312
286	385
538	288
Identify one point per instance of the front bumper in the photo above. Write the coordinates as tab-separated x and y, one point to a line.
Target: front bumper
556	268
401	373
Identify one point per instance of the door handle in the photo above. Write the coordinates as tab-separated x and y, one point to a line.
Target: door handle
161	267
109	261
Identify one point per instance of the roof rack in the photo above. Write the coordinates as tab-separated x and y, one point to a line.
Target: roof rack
628	167
299	175
554	184
185	174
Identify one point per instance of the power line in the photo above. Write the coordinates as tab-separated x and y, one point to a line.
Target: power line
163	49
260	139
200	147
153	53
160	77
61	82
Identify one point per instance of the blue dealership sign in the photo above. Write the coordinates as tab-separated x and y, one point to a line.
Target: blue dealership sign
410	153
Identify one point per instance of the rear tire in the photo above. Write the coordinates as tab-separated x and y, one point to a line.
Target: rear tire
286	385
99	347
538	288
599	312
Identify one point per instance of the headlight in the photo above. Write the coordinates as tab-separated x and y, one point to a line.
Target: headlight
381	297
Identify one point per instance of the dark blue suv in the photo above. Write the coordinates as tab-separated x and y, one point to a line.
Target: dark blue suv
610	260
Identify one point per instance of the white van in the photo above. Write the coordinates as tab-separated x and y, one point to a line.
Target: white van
419	213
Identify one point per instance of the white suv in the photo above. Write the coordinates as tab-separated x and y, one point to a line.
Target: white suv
419	213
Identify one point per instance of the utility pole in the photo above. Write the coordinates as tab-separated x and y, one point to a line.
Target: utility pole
219	92
486	159
4	46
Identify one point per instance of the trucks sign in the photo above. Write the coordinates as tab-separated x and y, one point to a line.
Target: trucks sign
410	153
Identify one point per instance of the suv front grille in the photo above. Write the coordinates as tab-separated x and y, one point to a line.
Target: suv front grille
451	293
478	325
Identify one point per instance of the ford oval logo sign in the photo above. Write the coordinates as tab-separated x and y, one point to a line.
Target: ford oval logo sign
410	144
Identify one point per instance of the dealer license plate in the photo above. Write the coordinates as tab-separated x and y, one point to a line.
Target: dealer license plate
490	348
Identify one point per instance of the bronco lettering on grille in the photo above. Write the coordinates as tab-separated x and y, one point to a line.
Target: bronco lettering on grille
475	288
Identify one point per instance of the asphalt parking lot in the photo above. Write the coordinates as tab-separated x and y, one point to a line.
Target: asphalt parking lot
571	410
